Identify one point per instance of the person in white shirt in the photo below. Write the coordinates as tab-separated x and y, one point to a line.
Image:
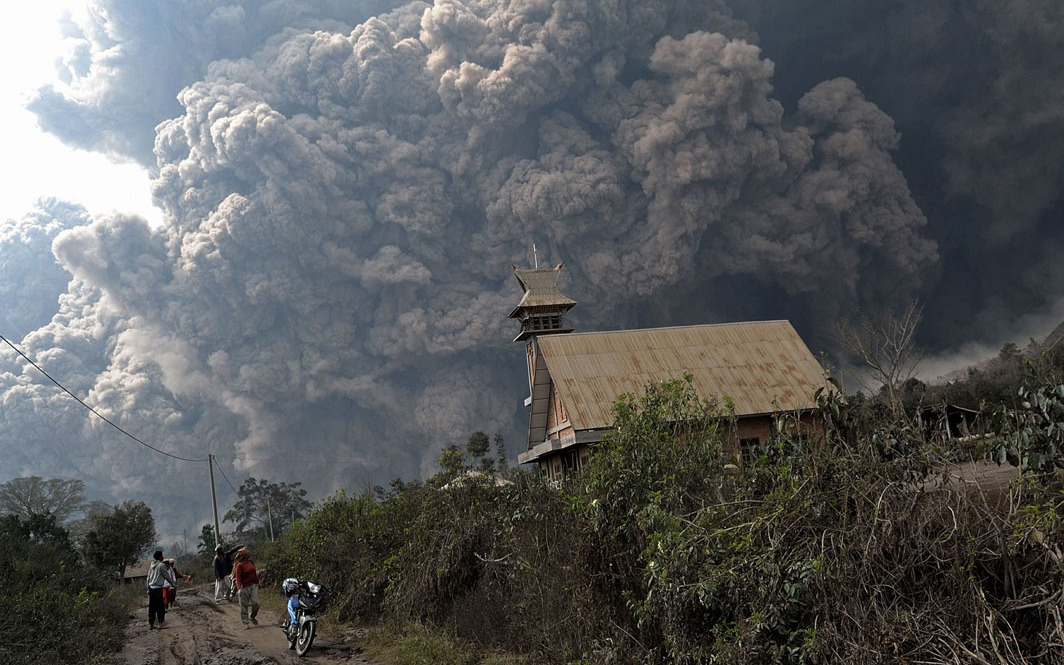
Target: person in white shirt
157	581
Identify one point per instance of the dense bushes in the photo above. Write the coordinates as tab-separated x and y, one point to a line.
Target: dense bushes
850	546
55	609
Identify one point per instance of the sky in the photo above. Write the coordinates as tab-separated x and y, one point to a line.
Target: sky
31	36
294	250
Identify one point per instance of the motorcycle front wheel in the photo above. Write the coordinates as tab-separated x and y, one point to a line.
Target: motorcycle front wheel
305	638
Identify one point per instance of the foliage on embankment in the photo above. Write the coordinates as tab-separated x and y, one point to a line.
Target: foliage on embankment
56	609
851	545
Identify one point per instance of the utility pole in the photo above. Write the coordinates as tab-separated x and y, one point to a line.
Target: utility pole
269	513
214	501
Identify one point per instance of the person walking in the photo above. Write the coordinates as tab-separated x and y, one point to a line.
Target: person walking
173	575
157	580
247	584
223	568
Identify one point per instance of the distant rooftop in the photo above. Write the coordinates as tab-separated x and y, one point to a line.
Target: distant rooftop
137	569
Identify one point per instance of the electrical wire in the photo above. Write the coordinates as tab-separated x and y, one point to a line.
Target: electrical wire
94	411
296	460
219	467
147	445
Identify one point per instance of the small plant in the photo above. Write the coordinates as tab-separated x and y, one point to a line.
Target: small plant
1033	431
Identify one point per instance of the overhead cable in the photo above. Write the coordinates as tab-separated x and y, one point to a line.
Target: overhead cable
94	411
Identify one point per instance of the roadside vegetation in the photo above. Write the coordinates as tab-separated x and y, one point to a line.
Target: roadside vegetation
852	545
59	607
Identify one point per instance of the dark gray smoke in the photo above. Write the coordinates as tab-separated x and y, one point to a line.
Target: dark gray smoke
345	189
976	91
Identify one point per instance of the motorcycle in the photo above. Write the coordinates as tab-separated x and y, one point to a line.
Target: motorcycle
306	599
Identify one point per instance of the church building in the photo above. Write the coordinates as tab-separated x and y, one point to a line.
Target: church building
575	377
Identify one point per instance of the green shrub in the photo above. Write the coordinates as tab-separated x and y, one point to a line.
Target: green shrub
853	545
56	610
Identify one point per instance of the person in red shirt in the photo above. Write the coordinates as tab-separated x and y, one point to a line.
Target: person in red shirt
247	584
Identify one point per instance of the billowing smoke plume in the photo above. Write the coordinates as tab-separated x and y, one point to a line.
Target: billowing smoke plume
976	91
131	58
31	280
345	190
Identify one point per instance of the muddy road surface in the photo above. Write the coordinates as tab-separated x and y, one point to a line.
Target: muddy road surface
200	631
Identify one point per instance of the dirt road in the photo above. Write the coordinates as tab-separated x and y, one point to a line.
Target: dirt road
201	632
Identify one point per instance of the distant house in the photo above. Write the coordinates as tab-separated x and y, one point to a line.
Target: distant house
574	378
137	573
949	421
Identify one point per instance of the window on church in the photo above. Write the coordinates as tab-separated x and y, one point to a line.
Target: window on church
749	449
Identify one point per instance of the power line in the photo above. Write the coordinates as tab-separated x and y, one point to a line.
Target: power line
94	411
297	460
226	478
163	452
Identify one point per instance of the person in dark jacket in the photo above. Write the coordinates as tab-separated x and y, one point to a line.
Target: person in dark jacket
223	568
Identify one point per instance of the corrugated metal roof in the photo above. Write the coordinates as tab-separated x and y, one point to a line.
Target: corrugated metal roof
137	569
764	367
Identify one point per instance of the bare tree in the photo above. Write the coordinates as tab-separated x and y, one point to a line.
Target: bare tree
886	347
34	495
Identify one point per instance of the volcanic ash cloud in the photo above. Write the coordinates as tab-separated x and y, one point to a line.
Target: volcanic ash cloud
343	206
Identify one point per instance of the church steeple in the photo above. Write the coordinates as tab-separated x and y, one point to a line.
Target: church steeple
541	308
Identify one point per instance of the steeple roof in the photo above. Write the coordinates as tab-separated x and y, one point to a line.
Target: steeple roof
541	289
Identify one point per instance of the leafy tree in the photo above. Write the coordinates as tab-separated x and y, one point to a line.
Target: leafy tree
478	444
206	542
33	495
913	395
79	527
272	507
500	453
662	460
452	464
118	538
37	529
